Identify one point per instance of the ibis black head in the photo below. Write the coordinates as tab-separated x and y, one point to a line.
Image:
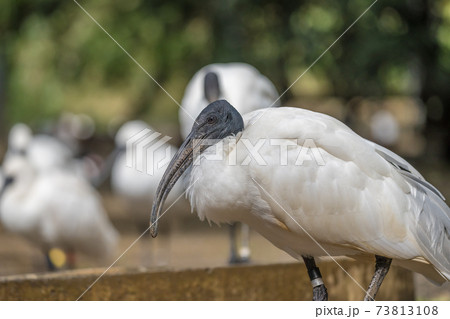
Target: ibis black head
217	121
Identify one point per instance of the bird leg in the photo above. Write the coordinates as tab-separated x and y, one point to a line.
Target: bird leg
50	265
244	249
319	290
234	257
382	265
235	254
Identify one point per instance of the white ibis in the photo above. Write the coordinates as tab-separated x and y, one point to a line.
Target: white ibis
357	199
55	209
46	152
239	83
248	90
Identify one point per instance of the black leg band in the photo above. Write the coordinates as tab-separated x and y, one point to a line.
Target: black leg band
313	272
315	276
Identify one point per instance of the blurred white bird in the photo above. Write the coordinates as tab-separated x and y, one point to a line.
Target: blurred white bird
72	129
239	83
46	152
248	90
313	188
384	127
136	169
138	180
54	209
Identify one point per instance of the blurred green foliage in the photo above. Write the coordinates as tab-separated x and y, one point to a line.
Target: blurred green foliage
56	58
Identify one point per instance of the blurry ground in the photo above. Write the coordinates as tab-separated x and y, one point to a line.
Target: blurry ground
184	242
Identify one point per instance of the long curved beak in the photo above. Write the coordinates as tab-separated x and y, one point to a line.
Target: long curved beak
177	166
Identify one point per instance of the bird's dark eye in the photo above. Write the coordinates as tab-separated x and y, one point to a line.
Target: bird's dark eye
211	119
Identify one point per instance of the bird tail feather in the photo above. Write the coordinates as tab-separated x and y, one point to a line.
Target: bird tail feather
432	230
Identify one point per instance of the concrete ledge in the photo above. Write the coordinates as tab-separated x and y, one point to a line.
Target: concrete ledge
268	282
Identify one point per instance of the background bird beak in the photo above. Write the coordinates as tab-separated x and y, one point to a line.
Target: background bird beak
7	181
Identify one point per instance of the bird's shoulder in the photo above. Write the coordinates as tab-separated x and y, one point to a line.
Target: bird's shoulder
334	139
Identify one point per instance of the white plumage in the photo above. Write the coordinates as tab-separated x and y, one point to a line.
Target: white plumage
19	138
364	200
240	84
248	90
45	152
55	208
